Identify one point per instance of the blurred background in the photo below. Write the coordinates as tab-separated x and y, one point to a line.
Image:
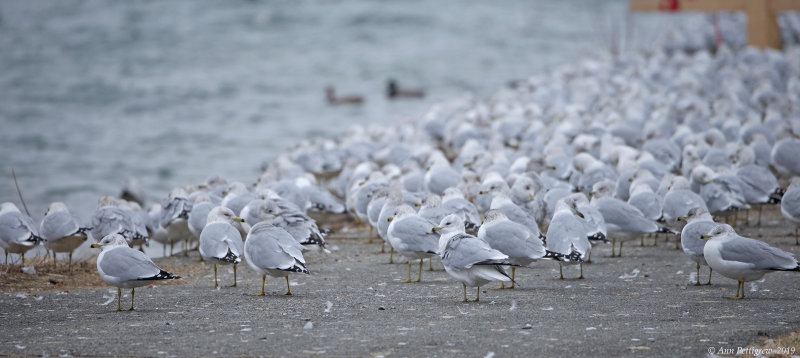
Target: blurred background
171	92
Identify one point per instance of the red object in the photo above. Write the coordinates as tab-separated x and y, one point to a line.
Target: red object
669	5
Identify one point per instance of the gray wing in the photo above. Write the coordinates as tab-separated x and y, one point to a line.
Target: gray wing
16	228
648	203
58	225
415	234
565	233
512	239
463	251
199	215
435	214
678	203
790	203
266	247
459	205
175	208
323	200
443	178
109	220
759	183
520	216
593	219
127	264
217	238
624	217
757	253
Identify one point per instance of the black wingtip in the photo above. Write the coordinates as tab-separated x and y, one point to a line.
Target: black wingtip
162	275
664	229
230	258
598	237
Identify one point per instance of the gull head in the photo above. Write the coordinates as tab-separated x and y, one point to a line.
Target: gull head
222	214
110	240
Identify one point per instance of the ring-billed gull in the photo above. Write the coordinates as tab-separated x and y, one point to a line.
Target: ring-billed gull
566	236
440	175
124	267
410	235
743	259
17	231
394	200
112	217
455	203
623	221
698	223
175	218
512	239
270	250
790	206
302	228
221	241
61	231
468	259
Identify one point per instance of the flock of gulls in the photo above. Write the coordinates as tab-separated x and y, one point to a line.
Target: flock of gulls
606	150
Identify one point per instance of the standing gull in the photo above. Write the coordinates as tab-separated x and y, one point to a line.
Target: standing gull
512	239
567	236
790	206
221	241
468	259
699	222
124	267
17	231
743	259
410	235
270	250
61	231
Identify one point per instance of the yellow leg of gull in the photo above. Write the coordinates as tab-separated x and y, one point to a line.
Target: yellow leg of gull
560	272
409	274
288	289
133	293
613	243
478	296
119	298
430	263
263	282
215	276
581	276
234	276
513	272
698	275
465	292
419	276
710	270
391	254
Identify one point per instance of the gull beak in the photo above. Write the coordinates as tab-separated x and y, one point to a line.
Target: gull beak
468	164
630	180
551	167
238	219
703	237
95	246
579	214
482	192
436	229
680	218
710	181
390	219
533	197
591	194
417	205
225	192
202	186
